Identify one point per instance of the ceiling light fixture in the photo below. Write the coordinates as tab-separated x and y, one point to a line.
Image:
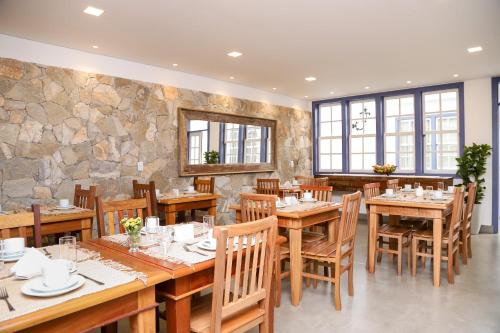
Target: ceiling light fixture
231	78
93	11
455	75
306	96
408	82
474	49
310	79
367	87
274	88
235	54
95	46
331	92
175	65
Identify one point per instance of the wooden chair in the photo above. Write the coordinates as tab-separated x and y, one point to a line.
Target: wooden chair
334	253
259	206
242	302
26	225
85	198
146	190
393	184
204	185
268	186
320	193
306	180
451	239
122	208
401	235
465	230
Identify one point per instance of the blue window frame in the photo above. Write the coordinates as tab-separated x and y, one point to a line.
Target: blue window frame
419	123
495	88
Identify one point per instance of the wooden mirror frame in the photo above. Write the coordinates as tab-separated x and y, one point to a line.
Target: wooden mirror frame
186	169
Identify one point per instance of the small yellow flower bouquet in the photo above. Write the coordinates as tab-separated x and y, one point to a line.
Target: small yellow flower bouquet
386	169
132	225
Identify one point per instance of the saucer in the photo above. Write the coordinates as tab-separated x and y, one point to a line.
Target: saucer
438	199
39	287
281	206
65	207
11	257
389	195
36	283
207	244
308	200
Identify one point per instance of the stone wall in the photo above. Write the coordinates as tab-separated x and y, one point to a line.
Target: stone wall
60	127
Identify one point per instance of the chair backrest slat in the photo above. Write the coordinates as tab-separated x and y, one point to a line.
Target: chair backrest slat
320	193
393	183
262	233
84	198
371	190
457	213
268	186
204	185
122	208
349	220
257	206
25	225
145	190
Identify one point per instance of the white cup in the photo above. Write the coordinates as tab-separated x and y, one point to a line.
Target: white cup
437	194
451	189
295	182
157	192
152	224
64	203
389	192
55	273
175	192
13	245
419	192
190	188
407	187
288	201
307	195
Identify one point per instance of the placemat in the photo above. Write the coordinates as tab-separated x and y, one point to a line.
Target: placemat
163	196
411	197
110	272
305	206
55	211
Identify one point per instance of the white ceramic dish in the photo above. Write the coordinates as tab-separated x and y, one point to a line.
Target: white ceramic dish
385	195
65	208
29	287
13	257
438	199
308	200
281	206
207	244
39	287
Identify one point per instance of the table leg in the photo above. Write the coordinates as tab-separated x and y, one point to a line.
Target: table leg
333	228
437	232
212	210
372	241
296	265
87	233
144	321
169	215
178	314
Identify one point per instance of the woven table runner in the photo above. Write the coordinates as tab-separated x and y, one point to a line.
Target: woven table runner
55	211
411	197
110	272
305	206
181	195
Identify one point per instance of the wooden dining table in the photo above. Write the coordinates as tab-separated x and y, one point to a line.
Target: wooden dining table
295	222
437	211
75	220
135	300
178	292
172	205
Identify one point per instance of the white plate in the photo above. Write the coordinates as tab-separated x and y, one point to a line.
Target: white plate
438	199
65	208
39	287
281	206
408	191
207	245
27	287
308	200
385	195
12	258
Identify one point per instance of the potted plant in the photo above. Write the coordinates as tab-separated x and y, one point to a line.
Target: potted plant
471	168
386	169
133	228
211	157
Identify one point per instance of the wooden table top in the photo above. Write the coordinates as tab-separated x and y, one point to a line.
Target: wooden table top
183	199
155	276
411	201
300	214
84	214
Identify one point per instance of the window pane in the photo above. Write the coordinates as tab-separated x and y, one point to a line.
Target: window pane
337	128
370	126
330	137
431	103
325	113
356	161
370	161
337	146
337	112
369	145
390	144
449	101
337	162
390	158
325	129
324	146
357	145
406	125
407	106
356	110
390	124
324	162
392	107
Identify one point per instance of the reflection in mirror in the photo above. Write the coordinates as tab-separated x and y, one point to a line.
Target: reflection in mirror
211	142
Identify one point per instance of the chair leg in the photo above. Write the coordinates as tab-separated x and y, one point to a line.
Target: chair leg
414	257
463	250
350	286
456	262
424	259
400	255
315	271
326	271
469	246
451	273
380	245
408	252
338	304
308	270
277	272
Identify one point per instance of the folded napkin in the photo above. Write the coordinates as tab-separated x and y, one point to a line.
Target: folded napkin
30	264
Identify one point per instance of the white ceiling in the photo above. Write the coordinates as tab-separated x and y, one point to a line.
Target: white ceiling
346	44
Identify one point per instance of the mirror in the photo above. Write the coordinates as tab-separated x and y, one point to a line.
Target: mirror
215	143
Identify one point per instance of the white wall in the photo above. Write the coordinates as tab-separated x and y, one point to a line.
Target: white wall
51	55
478	129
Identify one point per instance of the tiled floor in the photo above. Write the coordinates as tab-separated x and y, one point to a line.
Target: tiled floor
384	302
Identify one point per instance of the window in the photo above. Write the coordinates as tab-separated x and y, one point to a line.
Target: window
420	130
330	141
268	145
399	132
441	133
231	140
198	141
252	143
363	146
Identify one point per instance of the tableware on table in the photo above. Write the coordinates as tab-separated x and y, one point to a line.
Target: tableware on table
389	192
399	189
288	200
55	273
308	200
30	264
207	244
152	224
12	257
190	189
13	246
165	236
42	288
451	189
429	188
175	192
307	196
91	279
157	192
407	188
208	225
68	250
188	249
440	186
419	192
63	203
437	195
4	295
416	185
183	232
295	182
35	283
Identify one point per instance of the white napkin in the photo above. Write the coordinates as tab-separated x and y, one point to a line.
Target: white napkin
30	264
287	185
183	232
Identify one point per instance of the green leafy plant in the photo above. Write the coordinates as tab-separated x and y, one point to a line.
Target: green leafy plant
472	166
132	225
211	157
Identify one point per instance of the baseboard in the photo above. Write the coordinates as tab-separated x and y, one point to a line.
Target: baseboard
486	229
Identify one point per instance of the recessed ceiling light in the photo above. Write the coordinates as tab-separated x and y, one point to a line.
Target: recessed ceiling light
331	92
231	78
306	96
408	82
367	87
95	46
455	75
310	79
474	49
175	65
93	11
274	88
235	54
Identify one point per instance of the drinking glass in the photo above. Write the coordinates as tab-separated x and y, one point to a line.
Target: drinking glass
68	250
399	189
152	224
208	225
165	235
429	188
416	185
440	186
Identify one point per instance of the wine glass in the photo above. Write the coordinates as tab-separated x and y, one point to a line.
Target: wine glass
68	251
416	185
440	186
164	235
208	225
